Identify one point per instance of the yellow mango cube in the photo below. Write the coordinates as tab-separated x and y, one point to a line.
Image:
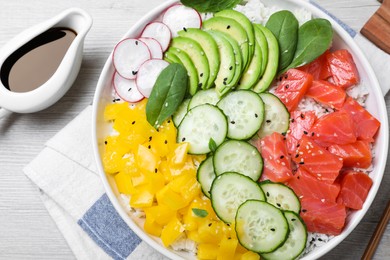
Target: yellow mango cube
179	154
169	129
250	256
141	198
123	183
211	232
227	248
147	161
151	227
171	232
111	111
161	214
207	251
170	198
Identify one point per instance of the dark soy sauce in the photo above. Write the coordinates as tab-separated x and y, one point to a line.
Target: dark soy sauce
34	63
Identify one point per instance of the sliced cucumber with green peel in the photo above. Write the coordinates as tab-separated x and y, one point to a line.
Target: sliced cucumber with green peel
238	156
186	61
206	175
281	196
208	96
276	116
260	226
181	111
296	240
245	112
229	191
210	49
196	53
200	125
273	61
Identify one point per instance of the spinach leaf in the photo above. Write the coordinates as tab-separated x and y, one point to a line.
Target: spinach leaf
212	145
167	94
200	212
210	5
314	38
284	26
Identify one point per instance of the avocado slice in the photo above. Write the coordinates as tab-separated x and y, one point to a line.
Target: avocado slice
246	24
260	39
186	61
171	57
227	68
252	73
273	61
197	55
234	29
210	49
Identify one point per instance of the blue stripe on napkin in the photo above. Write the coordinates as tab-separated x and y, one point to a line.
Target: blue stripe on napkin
104	225
349	30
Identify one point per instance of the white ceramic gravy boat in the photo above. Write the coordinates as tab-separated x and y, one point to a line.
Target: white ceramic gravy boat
58	84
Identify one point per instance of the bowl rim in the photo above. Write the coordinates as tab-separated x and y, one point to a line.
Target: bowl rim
374	90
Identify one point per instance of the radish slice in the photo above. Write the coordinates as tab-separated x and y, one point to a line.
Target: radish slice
158	31
148	74
178	17
129	54
126	88
154	47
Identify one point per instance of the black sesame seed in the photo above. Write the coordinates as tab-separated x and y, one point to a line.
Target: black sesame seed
285	76
200	85
267	194
287	86
150	138
282	156
319	239
228	224
166	141
169	121
129	89
136	42
149	146
201	74
232	122
228	27
313	239
134	72
301	163
229	238
302	116
185	29
303	210
278	204
305	132
268	121
298	177
297	155
272	229
326	110
231	67
312	133
210	224
284	133
105	142
256	115
183	139
133	122
292	120
155	170
293	219
225	79
298	145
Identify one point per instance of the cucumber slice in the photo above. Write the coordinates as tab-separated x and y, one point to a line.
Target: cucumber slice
181	111
229	191
201	124
281	196
201	97
276	116
245	112
296	241
238	156
206	175
260	226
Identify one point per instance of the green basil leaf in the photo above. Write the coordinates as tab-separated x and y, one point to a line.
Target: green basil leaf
200	212
314	38
284	26
210	5
212	145
167	94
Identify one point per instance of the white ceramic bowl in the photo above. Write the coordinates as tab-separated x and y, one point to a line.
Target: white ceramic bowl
375	105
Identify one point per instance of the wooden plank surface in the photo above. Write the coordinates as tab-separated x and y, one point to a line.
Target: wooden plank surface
26	229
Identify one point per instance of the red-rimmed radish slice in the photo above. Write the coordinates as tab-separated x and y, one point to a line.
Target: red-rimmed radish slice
148	74
179	17
158	31
154	47
126	89
128	56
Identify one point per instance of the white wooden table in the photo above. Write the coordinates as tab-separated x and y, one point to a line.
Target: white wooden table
26	229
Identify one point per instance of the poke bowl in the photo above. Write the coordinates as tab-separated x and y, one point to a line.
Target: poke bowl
106	94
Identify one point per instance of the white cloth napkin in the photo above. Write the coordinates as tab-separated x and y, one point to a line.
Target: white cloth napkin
71	190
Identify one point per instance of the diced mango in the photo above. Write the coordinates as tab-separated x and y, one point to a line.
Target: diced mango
227	247
169	129
112	162
152	227
171	232
111	111
170	198
211	232
207	251
141	199
146	160
179	154
250	256
161	214
123	183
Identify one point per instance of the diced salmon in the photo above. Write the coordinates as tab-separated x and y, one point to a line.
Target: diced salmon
293	87
343	68
307	186
318	68
277	161
323	216
317	160
326	93
354	189
357	154
366	124
334	128
300	124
